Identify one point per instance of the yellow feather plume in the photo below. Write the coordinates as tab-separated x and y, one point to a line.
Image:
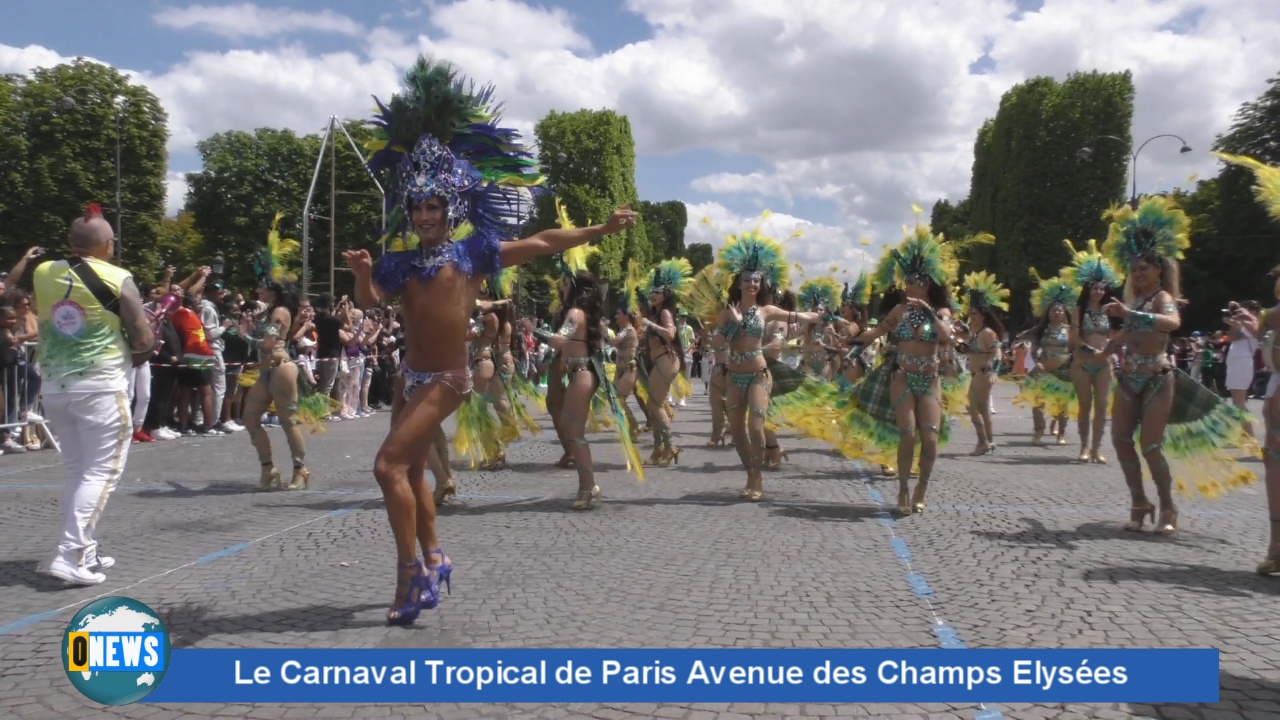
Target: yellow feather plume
282	251
1267	188
706	295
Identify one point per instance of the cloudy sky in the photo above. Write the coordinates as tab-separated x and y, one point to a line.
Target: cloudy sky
836	115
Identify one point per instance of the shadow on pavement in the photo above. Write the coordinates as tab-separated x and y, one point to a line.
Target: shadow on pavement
191	624
15	573
826	512
178	491
1196	578
1037	534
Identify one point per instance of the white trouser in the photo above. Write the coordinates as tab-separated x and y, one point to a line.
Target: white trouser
140	391
219	389
95	430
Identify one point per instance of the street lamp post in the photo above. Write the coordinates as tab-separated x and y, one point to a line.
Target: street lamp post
118	104
1087	152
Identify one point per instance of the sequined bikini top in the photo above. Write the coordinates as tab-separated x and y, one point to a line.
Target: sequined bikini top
1094	322
751	325
916	324
1055	338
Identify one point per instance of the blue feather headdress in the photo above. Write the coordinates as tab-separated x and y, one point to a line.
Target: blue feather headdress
670	279
1090	267
439	137
860	294
918	257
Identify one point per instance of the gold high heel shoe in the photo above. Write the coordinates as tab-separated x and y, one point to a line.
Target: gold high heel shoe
1085	456
585	504
1270	566
301	479
904	501
982	449
917	498
1096	457
1062	439
716	441
1168	524
1137	516
270	477
444	490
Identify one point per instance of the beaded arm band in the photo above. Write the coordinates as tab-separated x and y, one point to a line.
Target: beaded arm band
1140	321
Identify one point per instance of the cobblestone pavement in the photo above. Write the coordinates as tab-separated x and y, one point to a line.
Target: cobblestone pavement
1022	549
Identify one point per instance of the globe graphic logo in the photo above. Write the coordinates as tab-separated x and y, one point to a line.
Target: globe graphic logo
112	625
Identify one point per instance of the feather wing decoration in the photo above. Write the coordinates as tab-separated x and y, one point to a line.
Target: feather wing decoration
631	286
823	291
706	297
1054	291
981	291
1267	187
884	277
951	250
553	291
575	259
1090	266
1157	227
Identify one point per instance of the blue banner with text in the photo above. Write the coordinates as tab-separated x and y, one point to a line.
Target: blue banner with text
689	676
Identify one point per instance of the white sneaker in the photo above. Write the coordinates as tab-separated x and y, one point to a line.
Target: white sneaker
94	561
32	417
233	426
67	572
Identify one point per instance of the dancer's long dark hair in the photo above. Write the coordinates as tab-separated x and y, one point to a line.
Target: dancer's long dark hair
286	297
891	299
1037	332
584	294
786	301
991	320
1083	302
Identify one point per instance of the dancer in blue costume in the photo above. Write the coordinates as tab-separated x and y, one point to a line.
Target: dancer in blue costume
458	183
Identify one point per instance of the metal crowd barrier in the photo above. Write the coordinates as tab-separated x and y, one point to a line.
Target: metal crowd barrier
21	386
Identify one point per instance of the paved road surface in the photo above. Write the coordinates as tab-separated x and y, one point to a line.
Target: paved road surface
1023	549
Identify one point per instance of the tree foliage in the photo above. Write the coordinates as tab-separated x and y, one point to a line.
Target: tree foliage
700	255
58	139
589	158
249	177
1032	186
665	223
1233	241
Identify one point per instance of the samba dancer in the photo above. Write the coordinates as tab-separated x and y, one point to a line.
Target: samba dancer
1048	389
664	353
1091	372
451	171
983	296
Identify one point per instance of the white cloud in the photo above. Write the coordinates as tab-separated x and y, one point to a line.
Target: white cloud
176	192
250	21
814	247
865	104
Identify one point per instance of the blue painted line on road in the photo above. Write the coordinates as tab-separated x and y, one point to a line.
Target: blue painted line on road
948	638
203	560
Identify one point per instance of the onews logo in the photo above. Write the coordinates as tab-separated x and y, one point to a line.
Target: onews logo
115	651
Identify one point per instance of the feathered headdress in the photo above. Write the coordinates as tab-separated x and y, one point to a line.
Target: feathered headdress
823	291
1267	187
982	293
270	262
629	299
919	256
860	294
1089	267
951	250
1054	291
439	137
753	252
1157	227
669	278
568	263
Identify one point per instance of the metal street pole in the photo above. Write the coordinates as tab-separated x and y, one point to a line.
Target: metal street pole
119	208
333	199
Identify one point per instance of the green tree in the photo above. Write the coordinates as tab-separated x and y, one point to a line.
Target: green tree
13	166
1233	240
665	223
249	177
699	255
72	117
589	159
1032	185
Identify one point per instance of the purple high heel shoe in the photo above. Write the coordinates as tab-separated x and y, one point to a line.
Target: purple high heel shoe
409	593
434	575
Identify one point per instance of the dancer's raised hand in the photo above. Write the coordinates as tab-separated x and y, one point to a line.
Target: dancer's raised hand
358	260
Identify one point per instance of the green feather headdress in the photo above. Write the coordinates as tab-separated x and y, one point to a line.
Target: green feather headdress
860	294
706	295
1054	291
629	300
1267	187
271	261
823	291
670	278
753	252
1089	267
919	255
1158	227
982	292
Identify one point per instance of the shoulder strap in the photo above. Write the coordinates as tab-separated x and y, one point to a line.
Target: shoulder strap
94	284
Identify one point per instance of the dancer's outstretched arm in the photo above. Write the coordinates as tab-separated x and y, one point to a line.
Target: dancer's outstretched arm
557	240
368	294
